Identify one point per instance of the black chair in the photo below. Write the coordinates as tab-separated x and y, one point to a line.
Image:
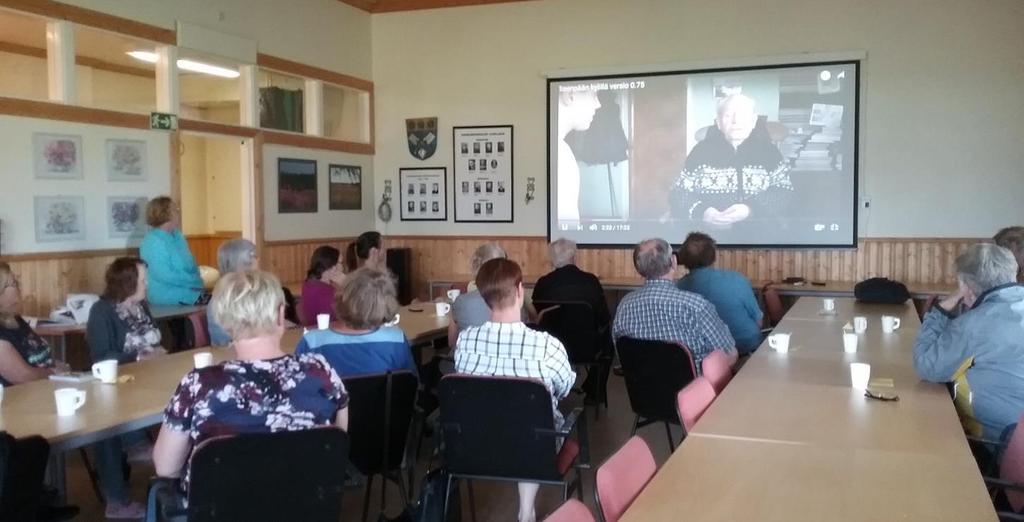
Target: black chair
587	343
288	475
22	468
380	413
502	428
654	372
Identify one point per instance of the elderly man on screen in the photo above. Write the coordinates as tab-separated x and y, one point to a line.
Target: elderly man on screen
659	311
982	350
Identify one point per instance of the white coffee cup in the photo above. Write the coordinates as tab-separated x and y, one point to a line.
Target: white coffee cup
890	323
105	371
779	342
68	400
850	342
442	309
394	322
454	294
860	375
202	359
828	304
860	324
323	321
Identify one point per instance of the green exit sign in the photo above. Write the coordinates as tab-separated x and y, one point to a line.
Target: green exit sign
163	121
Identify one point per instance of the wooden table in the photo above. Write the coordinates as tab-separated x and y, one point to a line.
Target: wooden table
789	439
28	409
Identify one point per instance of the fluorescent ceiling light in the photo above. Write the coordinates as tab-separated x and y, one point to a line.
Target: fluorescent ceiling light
187	65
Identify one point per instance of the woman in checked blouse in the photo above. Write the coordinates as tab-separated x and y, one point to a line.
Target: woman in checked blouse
505	347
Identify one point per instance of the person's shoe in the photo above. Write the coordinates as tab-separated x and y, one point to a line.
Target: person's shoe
126	511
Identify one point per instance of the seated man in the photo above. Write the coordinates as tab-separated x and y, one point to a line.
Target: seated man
658	311
504	346
982	350
729	291
568	283
263	391
364	343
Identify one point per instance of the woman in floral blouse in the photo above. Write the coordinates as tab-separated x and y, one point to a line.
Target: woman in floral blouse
263	391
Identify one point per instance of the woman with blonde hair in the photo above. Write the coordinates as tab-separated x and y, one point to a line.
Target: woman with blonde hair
173	274
24	356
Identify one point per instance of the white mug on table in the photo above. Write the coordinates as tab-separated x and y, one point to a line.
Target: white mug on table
860	324
105	371
454	294
394	322
442	309
890	323
323	321
850	342
828	304
202	359
779	342
68	400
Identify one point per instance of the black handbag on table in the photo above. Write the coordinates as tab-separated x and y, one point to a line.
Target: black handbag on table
881	290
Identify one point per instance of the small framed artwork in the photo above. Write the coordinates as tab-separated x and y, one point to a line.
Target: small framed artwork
427	197
125	216
296	186
345	187
59	218
57	156
126	160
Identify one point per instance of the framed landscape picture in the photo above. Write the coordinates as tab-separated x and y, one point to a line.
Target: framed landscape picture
296	186
345	187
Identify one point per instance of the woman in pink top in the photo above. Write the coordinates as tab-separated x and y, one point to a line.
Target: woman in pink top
326	273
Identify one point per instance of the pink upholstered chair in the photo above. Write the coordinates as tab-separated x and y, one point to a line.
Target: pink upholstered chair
572	511
1010	484
693	400
716	369
622	477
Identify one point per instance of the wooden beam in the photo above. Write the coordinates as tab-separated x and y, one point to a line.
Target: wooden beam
365	5
391	6
315	142
61	112
75	254
310	71
91	18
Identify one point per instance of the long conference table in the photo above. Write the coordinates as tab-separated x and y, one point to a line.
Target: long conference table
29	409
789	439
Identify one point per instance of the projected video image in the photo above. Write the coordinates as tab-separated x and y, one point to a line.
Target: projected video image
754	156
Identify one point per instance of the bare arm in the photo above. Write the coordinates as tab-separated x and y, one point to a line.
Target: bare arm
341	419
15	370
170	452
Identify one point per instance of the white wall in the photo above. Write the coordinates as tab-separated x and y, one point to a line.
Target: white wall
942	90
325	223
19	186
325	33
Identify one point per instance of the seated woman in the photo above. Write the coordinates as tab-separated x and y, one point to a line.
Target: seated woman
24	356
173	274
237	255
364	343
263	391
121	328
469	309
325	275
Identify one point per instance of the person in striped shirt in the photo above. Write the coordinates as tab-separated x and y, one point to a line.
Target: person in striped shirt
659	311
504	346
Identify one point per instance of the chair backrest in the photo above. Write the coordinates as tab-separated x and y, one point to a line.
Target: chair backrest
772	304
571	511
654	372
379	419
715	367
288	475
693	400
622	477
575	324
1011	467
497	427
22	468
200	329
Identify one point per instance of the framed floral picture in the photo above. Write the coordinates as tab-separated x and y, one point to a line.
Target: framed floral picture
126	160
125	216
57	156
59	218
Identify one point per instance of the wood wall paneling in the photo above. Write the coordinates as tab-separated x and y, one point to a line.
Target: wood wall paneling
204	246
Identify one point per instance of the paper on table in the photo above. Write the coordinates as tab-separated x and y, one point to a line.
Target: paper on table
881	382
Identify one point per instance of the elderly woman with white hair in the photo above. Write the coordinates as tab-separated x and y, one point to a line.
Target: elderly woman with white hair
262	390
237	255
469	309
981	351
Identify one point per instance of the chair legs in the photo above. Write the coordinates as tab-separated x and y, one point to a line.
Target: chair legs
636	424
366	497
93	476
472	500
668	431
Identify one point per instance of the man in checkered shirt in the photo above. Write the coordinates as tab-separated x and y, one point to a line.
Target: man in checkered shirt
659	311
505	347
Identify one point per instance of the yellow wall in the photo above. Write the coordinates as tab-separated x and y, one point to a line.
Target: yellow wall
211	185
194	218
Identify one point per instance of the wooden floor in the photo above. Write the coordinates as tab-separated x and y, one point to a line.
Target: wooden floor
495	501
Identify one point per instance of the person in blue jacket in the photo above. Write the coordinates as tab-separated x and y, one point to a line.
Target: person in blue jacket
173	274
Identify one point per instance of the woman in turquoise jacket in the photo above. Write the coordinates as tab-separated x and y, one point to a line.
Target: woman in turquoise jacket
173	274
